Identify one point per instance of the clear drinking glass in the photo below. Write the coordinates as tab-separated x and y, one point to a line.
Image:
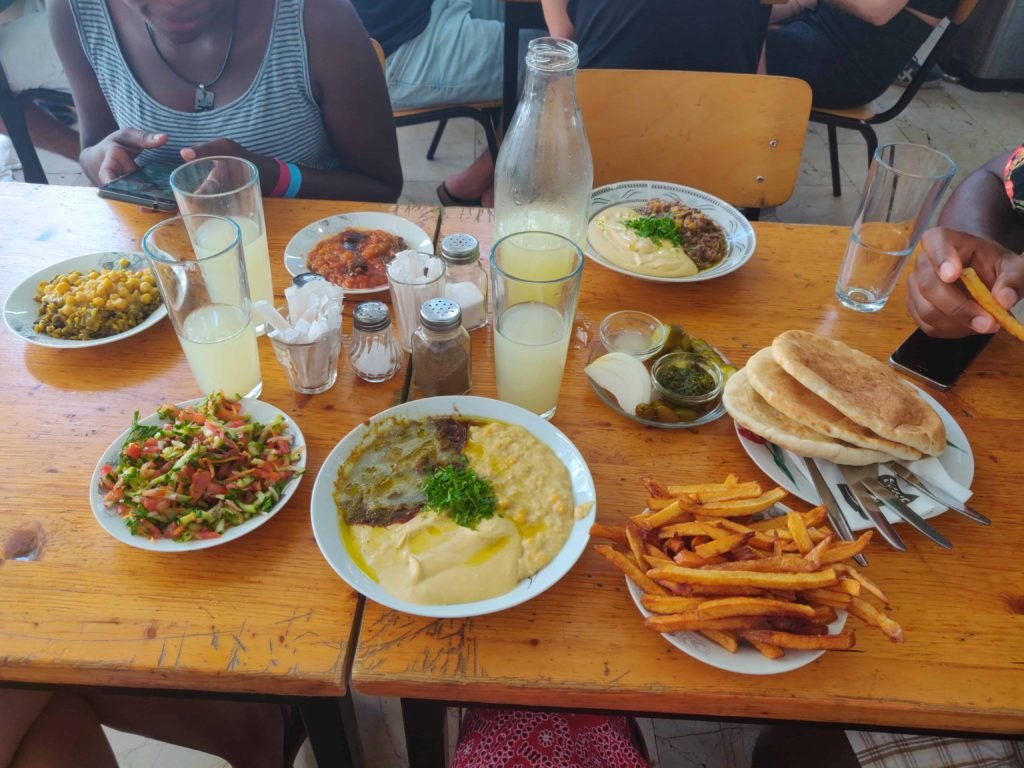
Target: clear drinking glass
903	189
228	187
207	297
413	278
533	316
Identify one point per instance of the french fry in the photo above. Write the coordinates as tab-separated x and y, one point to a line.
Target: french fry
652	551
815	555
674	511
849	586
796	625
827	597
725	591
698	488
670	603
725	639
730	493
847	549
865	582
797	581
653	561
752	606
743	507
636	544
841	642
654	503
775	564
723	545
798	530
682	529
688	559
618	535
627	566
811	518
981	294
765	649
867	613
691	622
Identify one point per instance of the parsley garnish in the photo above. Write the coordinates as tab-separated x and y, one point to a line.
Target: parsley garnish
655	228
456	489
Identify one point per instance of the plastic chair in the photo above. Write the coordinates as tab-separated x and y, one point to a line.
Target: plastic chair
863	117
739	137
485	113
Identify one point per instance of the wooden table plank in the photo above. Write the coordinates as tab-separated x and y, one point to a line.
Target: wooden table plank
583	644
264	614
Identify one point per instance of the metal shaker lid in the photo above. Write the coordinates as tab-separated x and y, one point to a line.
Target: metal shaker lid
371	316
440	314
460	249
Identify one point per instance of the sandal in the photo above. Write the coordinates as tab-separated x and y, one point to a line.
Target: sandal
448	199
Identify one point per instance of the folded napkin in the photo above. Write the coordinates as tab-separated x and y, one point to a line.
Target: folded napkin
928	469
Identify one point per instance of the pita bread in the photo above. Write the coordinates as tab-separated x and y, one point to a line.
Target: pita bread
788	396
862	389
750	411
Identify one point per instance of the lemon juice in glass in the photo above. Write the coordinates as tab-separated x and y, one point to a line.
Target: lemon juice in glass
207	297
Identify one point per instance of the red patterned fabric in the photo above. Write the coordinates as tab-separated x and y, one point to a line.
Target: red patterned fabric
498	738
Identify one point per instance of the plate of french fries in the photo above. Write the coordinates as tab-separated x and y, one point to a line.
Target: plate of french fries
733	578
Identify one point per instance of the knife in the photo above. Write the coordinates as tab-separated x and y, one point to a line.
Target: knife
835	514
936	494
869	506
887	497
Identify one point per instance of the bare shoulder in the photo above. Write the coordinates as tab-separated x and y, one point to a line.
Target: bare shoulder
332	22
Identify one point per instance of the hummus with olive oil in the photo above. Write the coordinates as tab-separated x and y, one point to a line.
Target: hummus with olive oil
615	242
424	557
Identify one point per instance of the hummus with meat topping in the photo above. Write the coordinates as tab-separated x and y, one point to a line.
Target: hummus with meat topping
418	553
622	246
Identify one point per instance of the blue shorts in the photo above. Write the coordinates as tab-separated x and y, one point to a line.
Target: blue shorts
457	59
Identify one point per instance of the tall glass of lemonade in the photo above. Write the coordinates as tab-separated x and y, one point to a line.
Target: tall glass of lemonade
533	315
207	296
228	187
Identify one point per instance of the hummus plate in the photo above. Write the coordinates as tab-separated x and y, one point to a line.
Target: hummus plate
324	509
739	235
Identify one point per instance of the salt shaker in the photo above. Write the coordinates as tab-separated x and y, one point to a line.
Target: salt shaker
375	353
465	279
441	350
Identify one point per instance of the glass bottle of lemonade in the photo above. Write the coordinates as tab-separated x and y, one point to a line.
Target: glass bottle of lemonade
544	173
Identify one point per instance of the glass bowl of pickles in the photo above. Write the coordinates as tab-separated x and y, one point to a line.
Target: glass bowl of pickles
621	374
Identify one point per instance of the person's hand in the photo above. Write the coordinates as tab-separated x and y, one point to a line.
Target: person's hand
117	152
937	301
267	167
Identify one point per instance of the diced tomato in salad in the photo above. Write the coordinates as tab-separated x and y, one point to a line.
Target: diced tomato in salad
206	468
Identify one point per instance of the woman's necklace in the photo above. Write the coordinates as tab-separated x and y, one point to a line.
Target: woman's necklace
204	98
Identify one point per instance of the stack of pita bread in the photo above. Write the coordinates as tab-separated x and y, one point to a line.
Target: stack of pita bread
819	398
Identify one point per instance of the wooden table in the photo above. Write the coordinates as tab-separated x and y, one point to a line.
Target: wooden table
582	644
264	615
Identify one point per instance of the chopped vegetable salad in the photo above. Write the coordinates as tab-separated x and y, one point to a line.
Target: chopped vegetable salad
206	468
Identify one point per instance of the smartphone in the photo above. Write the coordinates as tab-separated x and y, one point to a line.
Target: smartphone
150	186
937	362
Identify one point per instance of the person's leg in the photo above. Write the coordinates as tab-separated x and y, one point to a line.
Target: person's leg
782	746
473	184
49	133
67	734
18	711
246	734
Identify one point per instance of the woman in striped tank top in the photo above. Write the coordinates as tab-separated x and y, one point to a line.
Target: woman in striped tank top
292	85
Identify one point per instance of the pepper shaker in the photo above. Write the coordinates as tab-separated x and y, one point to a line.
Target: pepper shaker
441	356
375	352
465	279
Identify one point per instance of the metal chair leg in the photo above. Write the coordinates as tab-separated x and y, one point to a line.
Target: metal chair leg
438	133
492	140
871	138
13	115
833	159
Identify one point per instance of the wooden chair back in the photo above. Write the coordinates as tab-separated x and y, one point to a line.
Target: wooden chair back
739	137
379	50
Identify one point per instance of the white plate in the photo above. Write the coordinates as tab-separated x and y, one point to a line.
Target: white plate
746	660
738	233
324	510
114	524
957	460
21	310
306	239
